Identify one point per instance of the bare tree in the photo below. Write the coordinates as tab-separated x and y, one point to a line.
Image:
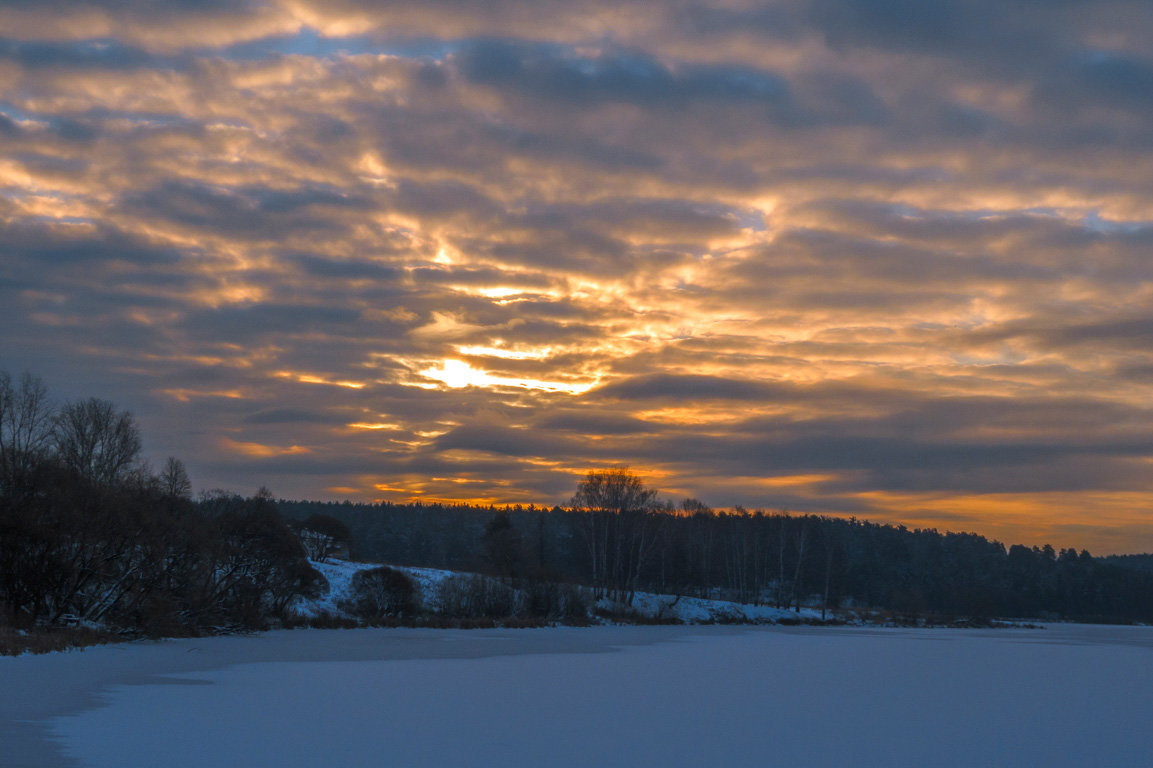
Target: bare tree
616	507
829	539
802	535
701	545
323	536
25	428
782	520
174	481
96	441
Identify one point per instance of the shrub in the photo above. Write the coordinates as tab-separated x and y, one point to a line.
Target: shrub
464	597
381	592
558	602
322	620
160	617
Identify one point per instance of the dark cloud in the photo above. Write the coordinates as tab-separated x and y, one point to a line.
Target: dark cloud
701	19
1124	333
578	149
1016	35
99	54
246	323
1099	78
553	73
252	212
49	246
503	440
132	7
950	26
441	199
655	217
290	416
348	269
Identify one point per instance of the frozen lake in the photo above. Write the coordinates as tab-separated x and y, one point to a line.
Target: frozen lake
606	696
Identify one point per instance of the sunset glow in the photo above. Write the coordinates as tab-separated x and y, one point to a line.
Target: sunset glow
456	373
886	259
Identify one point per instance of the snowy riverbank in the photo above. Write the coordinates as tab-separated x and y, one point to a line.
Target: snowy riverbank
430	584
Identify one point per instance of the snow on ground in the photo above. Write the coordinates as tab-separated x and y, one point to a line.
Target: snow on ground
695	610
339	575
430	581
609	696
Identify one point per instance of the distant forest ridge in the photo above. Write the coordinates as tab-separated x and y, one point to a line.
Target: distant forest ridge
749	556
1136	562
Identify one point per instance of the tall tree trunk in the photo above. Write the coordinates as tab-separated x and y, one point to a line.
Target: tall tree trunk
800	562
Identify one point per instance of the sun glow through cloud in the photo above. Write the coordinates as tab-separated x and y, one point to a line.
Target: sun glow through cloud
457	374
508	354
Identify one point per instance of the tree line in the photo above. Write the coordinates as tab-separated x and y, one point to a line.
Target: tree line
616	537
90	534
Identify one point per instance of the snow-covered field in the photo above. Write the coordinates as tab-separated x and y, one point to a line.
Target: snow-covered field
605	696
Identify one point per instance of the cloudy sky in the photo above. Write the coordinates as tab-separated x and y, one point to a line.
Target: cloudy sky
883	258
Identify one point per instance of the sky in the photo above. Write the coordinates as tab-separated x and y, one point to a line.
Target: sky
881	258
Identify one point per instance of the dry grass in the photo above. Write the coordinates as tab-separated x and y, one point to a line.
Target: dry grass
49	640
624	615
428	621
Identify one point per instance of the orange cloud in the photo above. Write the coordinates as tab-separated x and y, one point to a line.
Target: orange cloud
261	451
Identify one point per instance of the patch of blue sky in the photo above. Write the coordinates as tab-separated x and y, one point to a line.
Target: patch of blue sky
749	218
1094	222
93	53
166	119
101	114
13	112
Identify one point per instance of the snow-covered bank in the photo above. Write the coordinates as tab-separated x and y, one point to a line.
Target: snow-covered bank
668	696
431	583
695	610
338	574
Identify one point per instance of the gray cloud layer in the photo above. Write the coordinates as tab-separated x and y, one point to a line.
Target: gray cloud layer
881	258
